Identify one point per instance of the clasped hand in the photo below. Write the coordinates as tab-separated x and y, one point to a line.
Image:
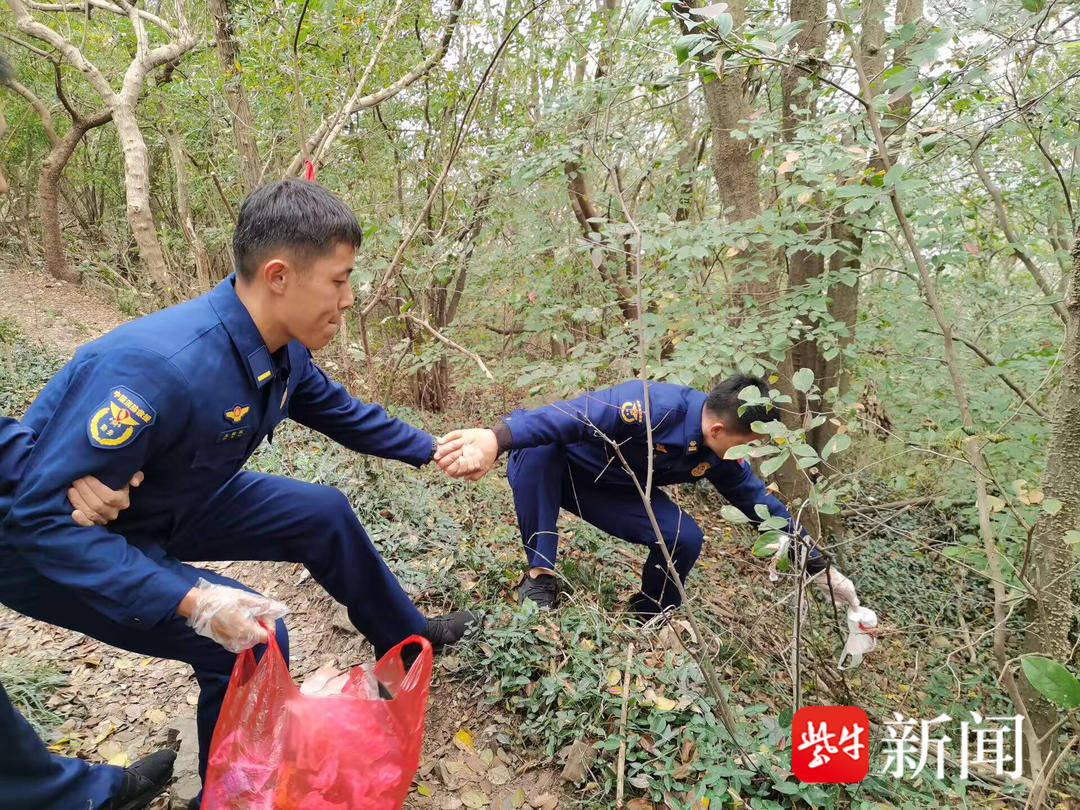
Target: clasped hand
469	453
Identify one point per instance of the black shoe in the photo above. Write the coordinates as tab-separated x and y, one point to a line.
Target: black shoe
641	608
442	631
542	589
143	780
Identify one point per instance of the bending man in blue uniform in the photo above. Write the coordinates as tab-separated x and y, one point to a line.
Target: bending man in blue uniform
31	776
186	394
560	459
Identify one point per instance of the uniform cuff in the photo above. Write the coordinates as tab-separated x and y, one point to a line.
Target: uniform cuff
158	600
502	435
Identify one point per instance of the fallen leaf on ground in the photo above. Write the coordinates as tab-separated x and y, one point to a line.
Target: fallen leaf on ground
463	740
475	799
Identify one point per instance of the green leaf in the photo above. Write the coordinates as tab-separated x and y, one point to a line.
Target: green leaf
1056	683
737	452
837	444
750	394
771	465
802	379
1051	506
1033	6
733	515
771	428
1072	538
774	523
766	545
684	44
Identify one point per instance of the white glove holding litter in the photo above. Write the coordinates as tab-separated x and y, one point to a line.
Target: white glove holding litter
837	585
233	618
862	624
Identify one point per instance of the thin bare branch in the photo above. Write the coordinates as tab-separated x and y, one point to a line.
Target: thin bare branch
444	339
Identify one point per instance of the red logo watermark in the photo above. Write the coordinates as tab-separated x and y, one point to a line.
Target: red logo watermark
830	744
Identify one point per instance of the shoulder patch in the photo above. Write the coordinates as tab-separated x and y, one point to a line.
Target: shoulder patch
631	411
119	419
700	469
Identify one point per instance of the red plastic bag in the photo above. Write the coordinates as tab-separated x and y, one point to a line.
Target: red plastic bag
277	749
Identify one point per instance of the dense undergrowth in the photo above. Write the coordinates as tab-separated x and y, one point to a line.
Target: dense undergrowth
560	673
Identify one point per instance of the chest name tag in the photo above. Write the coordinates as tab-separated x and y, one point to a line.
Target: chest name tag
232	435
119	419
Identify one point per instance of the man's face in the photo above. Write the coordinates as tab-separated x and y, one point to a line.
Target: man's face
316	296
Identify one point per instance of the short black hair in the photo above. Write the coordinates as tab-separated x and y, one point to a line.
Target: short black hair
295	214
724	402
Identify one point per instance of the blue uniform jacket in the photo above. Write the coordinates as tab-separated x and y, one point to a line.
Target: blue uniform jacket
680	453
184	394
16	441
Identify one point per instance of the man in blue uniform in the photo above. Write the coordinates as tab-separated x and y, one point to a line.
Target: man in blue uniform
30	775
561	458
185	395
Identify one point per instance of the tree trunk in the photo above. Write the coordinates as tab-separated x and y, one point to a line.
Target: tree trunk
122	106
47	191
606	262
733	163
137	189
736	169
183	210
1051	611
236	95
803	265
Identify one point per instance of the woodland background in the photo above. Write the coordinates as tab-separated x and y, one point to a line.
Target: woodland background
872	204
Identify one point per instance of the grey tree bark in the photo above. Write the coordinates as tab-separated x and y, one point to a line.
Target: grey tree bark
236	95
1051	610
121	105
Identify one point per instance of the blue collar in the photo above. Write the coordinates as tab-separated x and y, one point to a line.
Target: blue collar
245	335
693	439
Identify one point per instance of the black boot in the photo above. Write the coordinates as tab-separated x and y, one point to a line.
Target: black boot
641	608
143	780
441	631
543	589
449	628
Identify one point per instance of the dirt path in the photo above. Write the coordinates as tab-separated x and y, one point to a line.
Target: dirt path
119	706
60	315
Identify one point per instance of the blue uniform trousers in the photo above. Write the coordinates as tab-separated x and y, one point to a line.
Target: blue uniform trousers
32	777
543	481
253	517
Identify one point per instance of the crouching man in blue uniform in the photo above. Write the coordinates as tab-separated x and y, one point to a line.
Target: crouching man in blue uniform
185	395
31	776
560	459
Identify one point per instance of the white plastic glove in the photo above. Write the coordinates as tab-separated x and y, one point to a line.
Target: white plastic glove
842	589
232	617
862	624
